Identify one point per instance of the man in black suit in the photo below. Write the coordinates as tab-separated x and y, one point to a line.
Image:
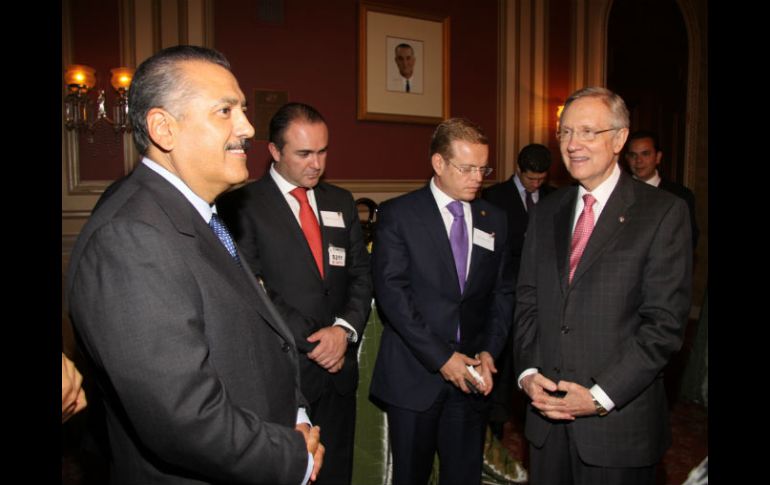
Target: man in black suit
444	287
199	374
517	196
599	317
303	238
643	157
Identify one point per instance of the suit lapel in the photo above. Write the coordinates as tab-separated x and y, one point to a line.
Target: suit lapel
189	223
430	217
480	221
612	220
322	202
562	231
276	204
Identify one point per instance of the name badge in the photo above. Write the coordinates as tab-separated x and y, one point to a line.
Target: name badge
484	239
336	256
332	219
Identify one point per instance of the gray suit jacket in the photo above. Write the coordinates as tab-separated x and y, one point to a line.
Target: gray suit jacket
619	321
199	374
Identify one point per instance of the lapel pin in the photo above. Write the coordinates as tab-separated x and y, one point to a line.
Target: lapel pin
622	219
483	213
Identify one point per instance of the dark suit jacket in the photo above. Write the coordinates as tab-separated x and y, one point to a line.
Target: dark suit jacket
616	325
685	194
419	300
200	378
275	248
505	195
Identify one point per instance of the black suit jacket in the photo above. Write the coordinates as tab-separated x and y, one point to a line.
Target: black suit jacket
200	375
685	194
419	300
274	247
505	195
616	325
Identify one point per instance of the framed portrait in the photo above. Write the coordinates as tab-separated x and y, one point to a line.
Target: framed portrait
403	65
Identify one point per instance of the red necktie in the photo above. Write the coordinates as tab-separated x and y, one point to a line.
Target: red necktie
310	226
583	229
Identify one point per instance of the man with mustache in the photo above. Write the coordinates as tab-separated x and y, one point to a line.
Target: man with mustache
443	281
303	238
198	372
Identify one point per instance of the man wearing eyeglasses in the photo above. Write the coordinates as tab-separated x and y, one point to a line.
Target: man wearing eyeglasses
444	287
601	301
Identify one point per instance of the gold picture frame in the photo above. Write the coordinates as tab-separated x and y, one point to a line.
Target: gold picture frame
381	96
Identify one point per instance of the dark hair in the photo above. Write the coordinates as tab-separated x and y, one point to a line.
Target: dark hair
637	135
455	129
160	83
534	158
403	46
614	102
285	115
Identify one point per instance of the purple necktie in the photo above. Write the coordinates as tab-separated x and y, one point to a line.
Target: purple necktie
530	200
458	238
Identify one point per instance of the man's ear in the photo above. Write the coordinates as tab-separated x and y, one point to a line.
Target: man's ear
274	151
437	161
161	127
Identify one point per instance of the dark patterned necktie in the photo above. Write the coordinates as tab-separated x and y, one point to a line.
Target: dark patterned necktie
223	234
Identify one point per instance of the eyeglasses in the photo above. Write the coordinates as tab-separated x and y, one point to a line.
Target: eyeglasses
583	134
472	169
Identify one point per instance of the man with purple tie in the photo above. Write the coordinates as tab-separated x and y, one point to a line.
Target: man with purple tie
444	288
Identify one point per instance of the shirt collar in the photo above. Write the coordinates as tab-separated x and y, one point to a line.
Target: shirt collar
604	190
517	182
441	198
283	185
203	207
654	180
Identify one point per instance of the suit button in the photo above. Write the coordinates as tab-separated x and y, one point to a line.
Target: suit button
565	329
285	347
326	292
557	370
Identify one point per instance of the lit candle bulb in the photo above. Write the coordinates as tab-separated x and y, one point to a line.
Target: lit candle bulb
121	78
80	75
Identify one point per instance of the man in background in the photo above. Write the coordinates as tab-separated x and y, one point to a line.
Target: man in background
643	157
304	239
517	196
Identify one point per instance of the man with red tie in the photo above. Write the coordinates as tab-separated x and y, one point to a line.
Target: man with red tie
602	299
303	238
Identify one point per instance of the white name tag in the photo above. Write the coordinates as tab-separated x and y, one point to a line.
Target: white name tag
336	256
332	219
483	239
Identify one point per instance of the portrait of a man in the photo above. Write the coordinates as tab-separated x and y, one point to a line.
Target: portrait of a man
405	65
